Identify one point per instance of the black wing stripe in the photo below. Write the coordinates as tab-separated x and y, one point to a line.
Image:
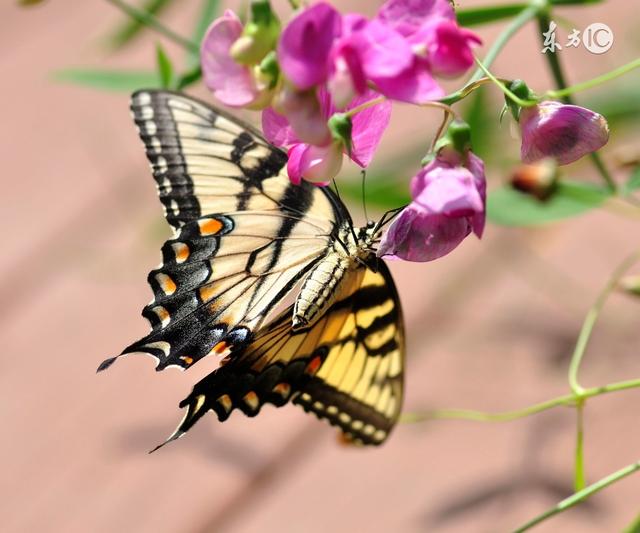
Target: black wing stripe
314	368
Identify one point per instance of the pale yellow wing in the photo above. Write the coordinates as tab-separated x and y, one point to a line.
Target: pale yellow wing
347	367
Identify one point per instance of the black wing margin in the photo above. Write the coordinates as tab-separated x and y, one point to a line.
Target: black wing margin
347	367
244	235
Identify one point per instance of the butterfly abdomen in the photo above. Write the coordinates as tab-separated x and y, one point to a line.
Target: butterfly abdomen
320	288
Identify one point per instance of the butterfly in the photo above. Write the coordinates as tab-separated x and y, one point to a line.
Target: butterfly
244	238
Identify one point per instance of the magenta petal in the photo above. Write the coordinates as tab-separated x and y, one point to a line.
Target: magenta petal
368	127
317	164
276	128
406	16
294	167
414	85
448	47
564	132
451	192
476	166
383	51
230	82
305	44
419	236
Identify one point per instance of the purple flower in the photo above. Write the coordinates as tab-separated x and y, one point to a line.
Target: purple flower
446	46
407	16
317	164
564	132
449	198
305	45
312	161
231	83
305	119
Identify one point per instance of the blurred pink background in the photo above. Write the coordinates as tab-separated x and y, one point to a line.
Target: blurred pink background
490	327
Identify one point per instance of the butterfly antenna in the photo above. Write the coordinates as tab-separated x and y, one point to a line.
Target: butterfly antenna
387	217
364	201
353	231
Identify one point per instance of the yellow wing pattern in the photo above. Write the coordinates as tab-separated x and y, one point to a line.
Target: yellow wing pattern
347	367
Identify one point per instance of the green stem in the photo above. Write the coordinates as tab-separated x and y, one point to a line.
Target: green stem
580	496
504	89
591	318
482	416
594	82
518	22
633	527
476	78
558	75
150	21
579	479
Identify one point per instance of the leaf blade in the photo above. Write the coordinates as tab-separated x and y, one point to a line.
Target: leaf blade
109	80
508	207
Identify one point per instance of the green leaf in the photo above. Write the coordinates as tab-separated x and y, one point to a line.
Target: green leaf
632	184
208	12
109	80
189	78
574	2
508	207
165	68
473	16
483	121
132	27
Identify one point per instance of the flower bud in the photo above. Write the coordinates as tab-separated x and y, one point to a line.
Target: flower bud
456	142
563	132
522	91
259	36
341	127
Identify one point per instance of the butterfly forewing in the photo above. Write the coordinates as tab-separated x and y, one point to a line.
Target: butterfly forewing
244	235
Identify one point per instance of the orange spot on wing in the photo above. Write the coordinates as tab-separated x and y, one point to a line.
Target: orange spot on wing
162	314
313	365
167	285
251	399
226	402
283	389
210	226
188	360
221	347
208	292
181	251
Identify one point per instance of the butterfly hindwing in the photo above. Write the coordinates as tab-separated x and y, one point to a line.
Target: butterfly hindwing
244	235
347	367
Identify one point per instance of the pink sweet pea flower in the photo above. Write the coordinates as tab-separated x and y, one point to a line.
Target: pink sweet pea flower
407	16
449	198
322	163
231	83
563	132
317	164
446	46
305	45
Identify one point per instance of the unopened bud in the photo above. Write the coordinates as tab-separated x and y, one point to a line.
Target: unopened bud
340	126
259	36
